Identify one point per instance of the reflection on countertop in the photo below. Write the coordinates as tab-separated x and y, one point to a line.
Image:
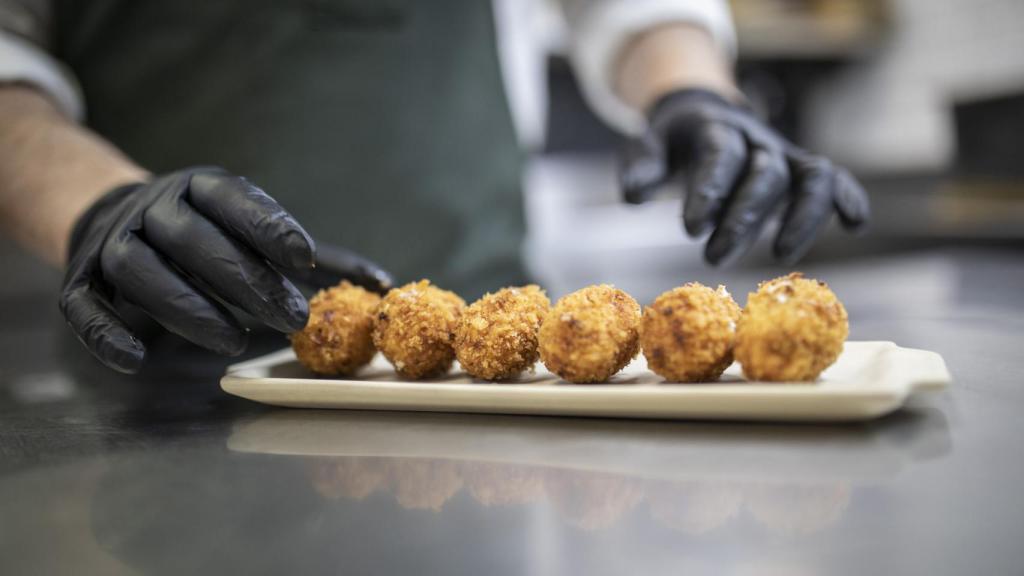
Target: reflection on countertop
589	501
165	474
770	475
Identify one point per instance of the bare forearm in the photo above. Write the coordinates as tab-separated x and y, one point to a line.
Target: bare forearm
51	170
672	57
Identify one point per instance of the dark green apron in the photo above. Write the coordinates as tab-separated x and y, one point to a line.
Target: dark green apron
381	125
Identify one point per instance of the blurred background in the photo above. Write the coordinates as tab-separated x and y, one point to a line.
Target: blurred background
922	99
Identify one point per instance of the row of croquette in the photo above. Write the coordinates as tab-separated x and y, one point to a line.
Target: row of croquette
791	330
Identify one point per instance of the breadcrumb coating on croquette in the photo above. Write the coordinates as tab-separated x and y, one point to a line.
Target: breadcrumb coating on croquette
414	328
791	330
336	339
687	334
590	334
496	337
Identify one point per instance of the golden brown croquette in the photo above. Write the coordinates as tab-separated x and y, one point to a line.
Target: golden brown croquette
336	340
496	337
590	334
414	328
791	330
687	333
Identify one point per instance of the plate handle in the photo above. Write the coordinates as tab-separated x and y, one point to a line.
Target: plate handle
930	372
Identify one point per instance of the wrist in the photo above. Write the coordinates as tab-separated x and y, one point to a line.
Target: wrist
103	203
664	105
671	58
51	171
90	196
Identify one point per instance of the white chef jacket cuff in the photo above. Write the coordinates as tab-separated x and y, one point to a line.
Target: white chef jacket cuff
21	61
606	29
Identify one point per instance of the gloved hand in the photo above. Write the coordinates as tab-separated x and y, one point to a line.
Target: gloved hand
181	246
736	172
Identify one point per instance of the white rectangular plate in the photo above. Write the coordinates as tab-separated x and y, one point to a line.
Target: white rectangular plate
870	379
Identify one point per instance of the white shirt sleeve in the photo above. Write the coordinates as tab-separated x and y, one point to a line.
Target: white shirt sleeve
21	61
599	29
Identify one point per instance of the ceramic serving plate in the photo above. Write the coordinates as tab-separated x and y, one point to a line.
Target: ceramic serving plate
869	380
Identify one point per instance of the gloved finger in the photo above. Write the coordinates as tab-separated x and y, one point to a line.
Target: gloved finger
761	189
101	330
228	269
143	278
251	215
642	168
334	264
719	155
851	201
810	207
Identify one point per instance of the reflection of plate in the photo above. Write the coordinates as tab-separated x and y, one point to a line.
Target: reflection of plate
652	450
870	379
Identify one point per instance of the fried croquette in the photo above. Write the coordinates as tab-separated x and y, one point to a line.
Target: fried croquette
336	340
791	330
496	337
414	329
590	334
687	334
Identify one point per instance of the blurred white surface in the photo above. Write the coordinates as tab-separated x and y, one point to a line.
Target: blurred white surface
892	112
580	232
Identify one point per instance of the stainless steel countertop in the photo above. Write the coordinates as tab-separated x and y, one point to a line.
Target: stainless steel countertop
163	474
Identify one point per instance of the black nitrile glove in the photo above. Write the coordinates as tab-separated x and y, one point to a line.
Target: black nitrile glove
334	264
736	172
181	246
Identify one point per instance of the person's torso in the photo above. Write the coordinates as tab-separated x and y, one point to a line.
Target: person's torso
380	124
